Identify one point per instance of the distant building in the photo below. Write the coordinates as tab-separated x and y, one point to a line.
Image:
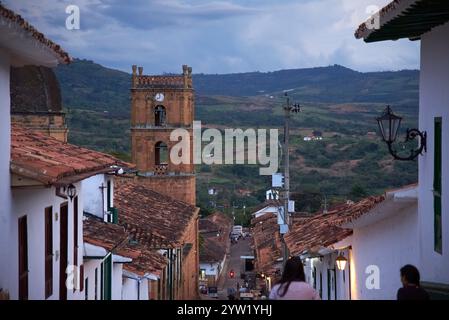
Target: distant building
214	250
165	224
317	133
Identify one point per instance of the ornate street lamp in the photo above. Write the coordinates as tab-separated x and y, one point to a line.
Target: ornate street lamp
71	191
341	262
389	125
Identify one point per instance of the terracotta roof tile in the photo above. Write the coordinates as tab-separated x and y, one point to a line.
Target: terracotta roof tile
267	242
99	233
212	250
145	260
114	238
15	18
48	160
323	229
148	215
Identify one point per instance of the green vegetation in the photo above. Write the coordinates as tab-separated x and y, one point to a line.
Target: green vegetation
349	163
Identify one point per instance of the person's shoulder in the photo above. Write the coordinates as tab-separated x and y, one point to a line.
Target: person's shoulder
273	292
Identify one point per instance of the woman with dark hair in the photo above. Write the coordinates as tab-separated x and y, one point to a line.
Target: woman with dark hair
293	285
411	289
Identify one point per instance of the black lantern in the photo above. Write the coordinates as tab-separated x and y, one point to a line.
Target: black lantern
71	191
389	125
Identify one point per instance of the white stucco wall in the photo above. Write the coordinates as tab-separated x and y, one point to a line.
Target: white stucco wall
211	269
322	264
32	203
6	234
89	274
434	102
130	287
389	244
117	270
95	198
134	289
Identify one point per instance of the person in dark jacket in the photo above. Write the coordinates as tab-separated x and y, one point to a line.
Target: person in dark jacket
411	289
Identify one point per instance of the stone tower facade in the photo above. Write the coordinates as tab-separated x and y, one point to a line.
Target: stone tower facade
160	104
36	101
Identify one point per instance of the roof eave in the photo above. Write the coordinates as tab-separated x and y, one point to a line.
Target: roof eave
403	19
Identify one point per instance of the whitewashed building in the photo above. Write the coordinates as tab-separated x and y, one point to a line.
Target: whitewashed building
20	44
320	241
428	22
47	211
384	239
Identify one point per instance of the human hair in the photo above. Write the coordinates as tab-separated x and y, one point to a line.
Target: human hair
411	274
293	271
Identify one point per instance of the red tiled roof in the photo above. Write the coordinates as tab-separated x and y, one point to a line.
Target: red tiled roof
144	260
207	226
323	230
220	218
267	242
16	19
106	235
115	239
212	250
147	214
48	160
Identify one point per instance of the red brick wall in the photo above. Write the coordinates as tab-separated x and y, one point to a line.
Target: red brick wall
177	187
190	264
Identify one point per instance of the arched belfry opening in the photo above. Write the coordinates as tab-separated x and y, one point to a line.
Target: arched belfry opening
159	116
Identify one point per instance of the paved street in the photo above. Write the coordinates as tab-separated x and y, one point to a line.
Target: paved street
241	248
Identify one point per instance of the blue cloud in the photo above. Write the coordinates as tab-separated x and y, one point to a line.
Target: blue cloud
219	36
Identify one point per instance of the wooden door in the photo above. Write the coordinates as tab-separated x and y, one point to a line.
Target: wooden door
48	252
23	258
63	251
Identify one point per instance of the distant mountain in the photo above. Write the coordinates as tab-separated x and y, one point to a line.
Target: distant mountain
339	102
87	85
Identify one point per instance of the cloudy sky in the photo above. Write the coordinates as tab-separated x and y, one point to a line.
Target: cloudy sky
219	36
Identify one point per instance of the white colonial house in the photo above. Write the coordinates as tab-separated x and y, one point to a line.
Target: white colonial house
384	239
427	21
20	44
47	214
321	242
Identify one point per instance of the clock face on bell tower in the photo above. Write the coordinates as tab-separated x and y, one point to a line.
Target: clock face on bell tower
159	97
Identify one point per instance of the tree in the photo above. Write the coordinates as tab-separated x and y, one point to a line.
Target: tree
357	192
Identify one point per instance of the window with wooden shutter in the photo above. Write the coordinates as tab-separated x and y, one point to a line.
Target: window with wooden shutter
86	288
82	277
48	252
437	168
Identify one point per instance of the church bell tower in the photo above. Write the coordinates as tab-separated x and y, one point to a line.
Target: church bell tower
159	105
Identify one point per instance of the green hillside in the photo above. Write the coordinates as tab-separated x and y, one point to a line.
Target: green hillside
350	162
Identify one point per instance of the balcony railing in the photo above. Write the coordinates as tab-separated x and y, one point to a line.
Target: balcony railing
160	169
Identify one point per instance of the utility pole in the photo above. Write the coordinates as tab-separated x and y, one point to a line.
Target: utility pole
289	108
